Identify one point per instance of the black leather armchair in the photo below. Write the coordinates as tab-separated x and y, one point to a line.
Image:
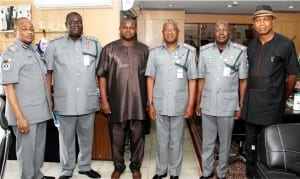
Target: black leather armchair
279	152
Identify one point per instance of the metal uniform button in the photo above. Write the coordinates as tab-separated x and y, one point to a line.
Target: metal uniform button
170	67
77	74
170	79
77	89
169	91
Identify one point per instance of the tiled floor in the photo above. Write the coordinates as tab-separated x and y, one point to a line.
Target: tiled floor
190	167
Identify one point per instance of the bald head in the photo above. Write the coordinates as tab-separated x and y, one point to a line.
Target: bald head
24	30
21	21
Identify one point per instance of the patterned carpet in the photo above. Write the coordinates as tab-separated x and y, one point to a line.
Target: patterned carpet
237	169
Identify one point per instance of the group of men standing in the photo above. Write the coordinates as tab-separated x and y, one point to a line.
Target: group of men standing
167	82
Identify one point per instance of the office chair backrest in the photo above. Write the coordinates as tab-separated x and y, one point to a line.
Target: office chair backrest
3	120
279	147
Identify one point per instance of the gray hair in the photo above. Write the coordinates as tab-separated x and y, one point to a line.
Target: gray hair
219	22
170	21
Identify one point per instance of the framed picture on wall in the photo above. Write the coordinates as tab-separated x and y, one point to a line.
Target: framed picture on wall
9	15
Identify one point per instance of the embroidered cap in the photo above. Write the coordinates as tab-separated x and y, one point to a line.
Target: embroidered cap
263	10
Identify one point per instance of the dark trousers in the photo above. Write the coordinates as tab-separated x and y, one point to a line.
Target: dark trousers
118	133
252	132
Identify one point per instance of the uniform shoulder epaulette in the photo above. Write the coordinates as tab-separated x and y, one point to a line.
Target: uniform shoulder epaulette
92	38
191	48
206	46
57	38
239	46
13	47
152	48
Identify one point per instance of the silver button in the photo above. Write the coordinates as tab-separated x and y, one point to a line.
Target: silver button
169	91
77	89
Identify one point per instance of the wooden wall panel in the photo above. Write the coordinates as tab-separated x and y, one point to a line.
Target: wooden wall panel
150	25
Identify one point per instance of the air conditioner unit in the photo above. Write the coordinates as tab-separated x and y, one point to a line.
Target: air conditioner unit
133	12
62	4
127	4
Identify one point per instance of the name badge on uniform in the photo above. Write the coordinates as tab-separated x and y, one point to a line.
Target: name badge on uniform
86	60
226	71
179	72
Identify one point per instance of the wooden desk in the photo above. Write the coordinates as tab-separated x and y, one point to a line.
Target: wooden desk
101	146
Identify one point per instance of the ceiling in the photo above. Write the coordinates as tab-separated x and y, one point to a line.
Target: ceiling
218	7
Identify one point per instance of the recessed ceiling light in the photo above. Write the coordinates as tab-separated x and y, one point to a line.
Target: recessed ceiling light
170	5
235	3
229	5
291	6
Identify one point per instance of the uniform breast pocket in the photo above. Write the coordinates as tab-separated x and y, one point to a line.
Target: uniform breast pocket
210	65
30	67
88	60
61	57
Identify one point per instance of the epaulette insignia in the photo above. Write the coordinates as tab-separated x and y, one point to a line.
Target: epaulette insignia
239	46
191	48
206	46
152	48
56	38
13	48
25	46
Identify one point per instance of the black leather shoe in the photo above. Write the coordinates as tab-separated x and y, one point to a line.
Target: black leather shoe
174	177
64	177
91	173
208	177
159	176
221	178
48	177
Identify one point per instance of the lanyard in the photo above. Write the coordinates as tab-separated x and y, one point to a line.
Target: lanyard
184	65
234	67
